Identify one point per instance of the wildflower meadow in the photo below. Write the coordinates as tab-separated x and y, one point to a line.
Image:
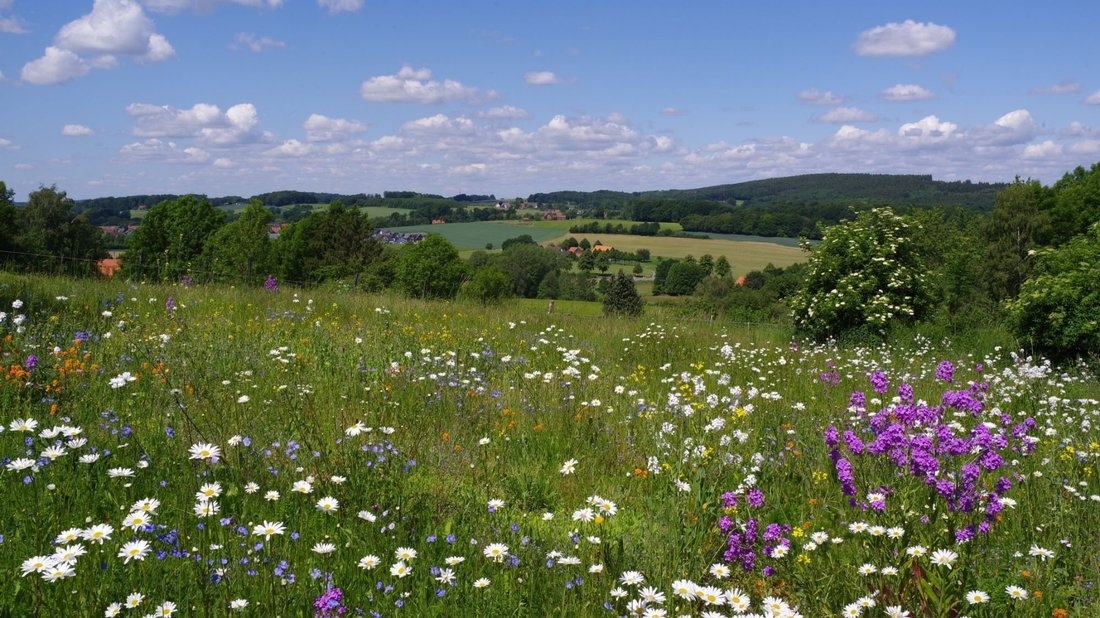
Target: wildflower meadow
210	451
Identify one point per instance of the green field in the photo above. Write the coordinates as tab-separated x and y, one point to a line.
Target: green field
477	234
743	256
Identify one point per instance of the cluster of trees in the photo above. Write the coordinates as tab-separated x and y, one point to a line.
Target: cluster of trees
1032	261
682	277
45	236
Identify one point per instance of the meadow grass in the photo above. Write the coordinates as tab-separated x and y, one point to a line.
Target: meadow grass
212	450
743	256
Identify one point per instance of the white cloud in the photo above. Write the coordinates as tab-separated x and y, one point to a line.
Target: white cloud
256	44
11	25
813	96
291	148
55	66
1063	87
340	6
908	38
76	130
1042	150
470	168
203	121
6	143
927	130
320	128
846	115
505	111
163	151
673	112
414	86
1094	98
906	92
438	124
541	78
1017	120
113	28
223	162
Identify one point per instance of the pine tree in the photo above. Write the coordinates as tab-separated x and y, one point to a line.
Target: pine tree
622	297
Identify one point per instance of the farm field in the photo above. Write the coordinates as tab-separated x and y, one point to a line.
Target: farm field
743	256
476	235
218	451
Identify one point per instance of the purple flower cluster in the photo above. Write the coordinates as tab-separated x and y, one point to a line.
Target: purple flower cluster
959	465
746	545
330	604
271	284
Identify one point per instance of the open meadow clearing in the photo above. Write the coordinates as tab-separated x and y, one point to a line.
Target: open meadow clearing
219	451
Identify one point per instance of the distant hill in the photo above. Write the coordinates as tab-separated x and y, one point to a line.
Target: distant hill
853	190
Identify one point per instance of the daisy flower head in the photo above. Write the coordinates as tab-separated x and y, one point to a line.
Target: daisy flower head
238	604
134	550
683	588
328	504
165	609
134	599
208	491
719	570
895	611
569	467
324	548
269	529
69	553
369	562
1016	593
302	487
37	564
482	582
631	578
916	551
137	520
205	450
454	560
404	553
496	552
272	496
711	595
944	557
68	536
114	609
1040	553
251	487
59	571
495	504
206	508
400	569
117	473
867	569
977	597
147	505
98	533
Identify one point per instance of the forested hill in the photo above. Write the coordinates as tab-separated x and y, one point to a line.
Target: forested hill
809	189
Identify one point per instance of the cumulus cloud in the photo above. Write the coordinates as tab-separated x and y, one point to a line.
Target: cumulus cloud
256	44
1042	150
414	86
76	130
541	78
320	128
906	92
291	148
1094	98
505	112
1063	87
813	96
203	121
340	6
929	130
163	151
113	28
908	38
439	124
846	115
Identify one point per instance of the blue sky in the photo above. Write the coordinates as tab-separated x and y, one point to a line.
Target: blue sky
238	97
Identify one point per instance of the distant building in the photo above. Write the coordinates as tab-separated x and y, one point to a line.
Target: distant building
109	266
553	215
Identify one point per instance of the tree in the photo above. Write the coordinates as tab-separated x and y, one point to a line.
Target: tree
338	243
587	261
622	297
865	273
642	254
9	222
430	269
722	267
171	238
56	240
682	278
1019	223
660	275
1058	309
488	286
241	250
527	264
